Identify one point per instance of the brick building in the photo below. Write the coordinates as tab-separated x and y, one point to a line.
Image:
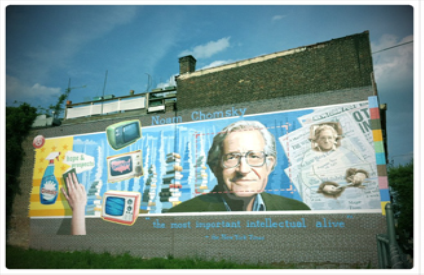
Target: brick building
341	65
334	72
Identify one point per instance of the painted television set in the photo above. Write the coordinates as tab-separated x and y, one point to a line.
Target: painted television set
122	134
121	207
124	166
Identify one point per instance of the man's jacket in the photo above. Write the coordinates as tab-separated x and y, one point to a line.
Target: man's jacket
213	202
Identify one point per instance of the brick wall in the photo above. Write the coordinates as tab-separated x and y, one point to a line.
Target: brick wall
282	103
355	243
334	65
54	233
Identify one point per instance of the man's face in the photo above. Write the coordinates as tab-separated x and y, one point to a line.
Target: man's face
243	180
326	140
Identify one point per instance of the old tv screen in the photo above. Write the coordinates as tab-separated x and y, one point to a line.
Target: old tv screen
122	134
121	166
115	206
131	132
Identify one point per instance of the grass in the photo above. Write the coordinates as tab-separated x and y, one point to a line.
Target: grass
20	258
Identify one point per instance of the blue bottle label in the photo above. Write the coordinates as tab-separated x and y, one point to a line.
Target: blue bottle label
48	190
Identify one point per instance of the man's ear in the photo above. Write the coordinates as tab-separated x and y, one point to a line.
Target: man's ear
270	162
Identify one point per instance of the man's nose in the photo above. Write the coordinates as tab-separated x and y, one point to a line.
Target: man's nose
243	167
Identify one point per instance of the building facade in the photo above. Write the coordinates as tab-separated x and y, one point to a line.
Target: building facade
290	93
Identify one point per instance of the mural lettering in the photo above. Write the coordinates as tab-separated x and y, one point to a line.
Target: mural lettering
198	115
320	223
362	117
157	120
313	159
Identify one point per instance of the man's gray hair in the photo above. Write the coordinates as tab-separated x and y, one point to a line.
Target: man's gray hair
215	152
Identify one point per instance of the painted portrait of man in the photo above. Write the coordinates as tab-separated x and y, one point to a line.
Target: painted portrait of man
242	157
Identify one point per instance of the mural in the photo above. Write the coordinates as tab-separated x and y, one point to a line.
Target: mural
308	159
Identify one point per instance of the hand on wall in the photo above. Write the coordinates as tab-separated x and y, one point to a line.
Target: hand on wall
77	199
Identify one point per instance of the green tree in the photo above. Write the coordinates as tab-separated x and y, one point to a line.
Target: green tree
58	108
18	125
54	110
401	182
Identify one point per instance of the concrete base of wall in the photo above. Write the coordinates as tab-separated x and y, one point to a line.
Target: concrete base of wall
270	238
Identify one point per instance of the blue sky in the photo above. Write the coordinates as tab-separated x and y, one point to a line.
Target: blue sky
48	45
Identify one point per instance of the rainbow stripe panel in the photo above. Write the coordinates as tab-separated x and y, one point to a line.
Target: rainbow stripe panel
380	155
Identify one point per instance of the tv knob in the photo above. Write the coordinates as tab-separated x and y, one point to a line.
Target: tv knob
129	208
130	201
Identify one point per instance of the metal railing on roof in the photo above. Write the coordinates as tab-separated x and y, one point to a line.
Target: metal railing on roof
104	107
154	101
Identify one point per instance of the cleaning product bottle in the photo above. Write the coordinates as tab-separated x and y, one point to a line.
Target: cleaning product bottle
49	188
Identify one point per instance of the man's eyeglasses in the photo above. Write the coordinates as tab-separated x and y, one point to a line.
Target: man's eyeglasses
253	158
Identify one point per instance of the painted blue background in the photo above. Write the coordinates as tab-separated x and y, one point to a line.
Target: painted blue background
190	140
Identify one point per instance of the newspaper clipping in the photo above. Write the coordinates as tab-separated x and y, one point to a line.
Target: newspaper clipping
332	160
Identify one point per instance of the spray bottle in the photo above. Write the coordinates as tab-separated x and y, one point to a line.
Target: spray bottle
49	188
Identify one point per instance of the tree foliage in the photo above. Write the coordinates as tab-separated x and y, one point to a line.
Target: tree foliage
18	125
57	109
401	182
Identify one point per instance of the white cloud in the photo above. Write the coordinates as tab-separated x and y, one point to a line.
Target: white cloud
170	82
217	63
277	17
393	65
15	90
208	49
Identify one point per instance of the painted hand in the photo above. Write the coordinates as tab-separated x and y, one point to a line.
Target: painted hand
76	196
77	199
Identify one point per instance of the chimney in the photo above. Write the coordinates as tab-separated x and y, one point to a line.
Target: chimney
187	64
